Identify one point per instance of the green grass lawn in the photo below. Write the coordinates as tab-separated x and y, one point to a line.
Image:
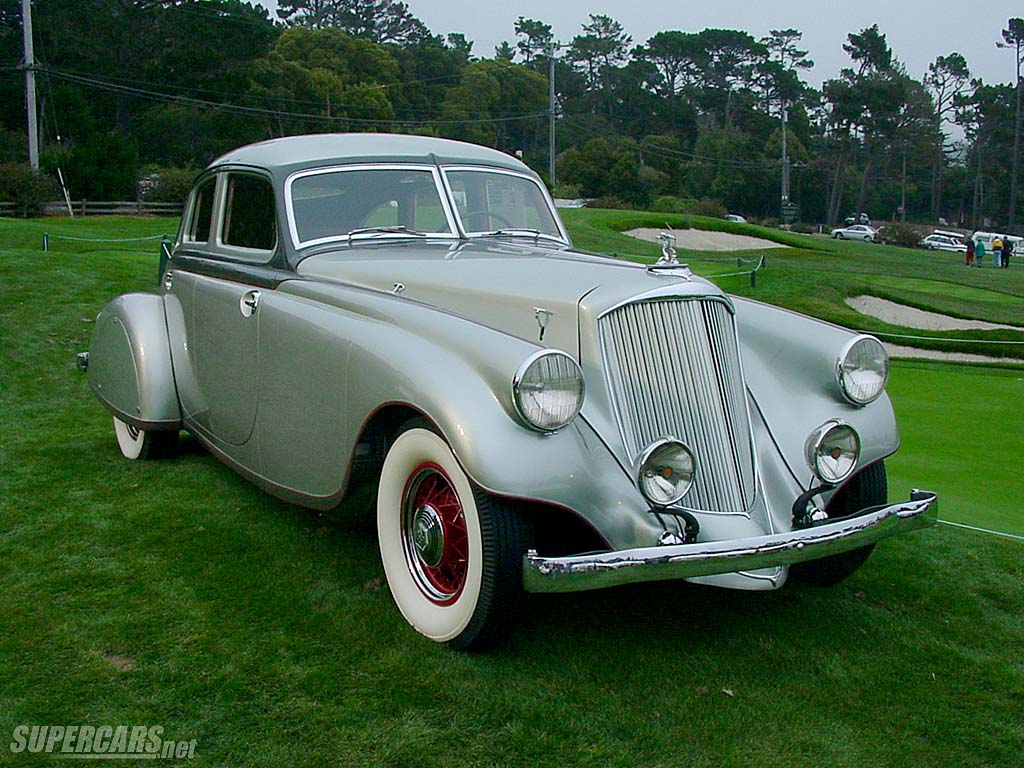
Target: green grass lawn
175	593
960	428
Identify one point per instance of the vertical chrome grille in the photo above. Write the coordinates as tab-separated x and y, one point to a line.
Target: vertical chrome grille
673	369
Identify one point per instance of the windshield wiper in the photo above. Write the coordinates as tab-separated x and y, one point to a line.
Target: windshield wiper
393	230
536	234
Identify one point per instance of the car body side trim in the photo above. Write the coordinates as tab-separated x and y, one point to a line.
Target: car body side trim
251	274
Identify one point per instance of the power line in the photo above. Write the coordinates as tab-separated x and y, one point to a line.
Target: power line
264	97
666	152
247	110
269	24
675	154
268	97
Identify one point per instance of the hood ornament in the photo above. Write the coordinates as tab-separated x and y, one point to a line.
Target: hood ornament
668	261
668	249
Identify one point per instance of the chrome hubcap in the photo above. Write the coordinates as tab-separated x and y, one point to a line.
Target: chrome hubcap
428	535
434	535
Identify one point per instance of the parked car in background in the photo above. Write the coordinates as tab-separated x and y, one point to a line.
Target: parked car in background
735	217
860	218
411	312
937	242
856	232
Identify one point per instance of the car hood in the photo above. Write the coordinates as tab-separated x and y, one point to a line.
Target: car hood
529	291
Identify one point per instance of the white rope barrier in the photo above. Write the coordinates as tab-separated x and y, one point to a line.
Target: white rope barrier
47	237
983	530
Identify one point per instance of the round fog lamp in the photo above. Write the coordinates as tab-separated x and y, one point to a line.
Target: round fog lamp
665	472
834	450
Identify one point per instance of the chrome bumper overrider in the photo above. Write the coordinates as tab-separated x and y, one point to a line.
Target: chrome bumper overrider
606	569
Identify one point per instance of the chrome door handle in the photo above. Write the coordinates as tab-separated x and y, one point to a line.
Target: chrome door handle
249	302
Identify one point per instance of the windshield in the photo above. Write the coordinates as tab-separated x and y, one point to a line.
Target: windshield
364	201
493	202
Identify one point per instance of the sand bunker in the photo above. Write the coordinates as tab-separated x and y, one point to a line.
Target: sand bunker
703	240
895	350
909	317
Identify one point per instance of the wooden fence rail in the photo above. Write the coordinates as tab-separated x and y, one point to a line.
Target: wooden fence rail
98	208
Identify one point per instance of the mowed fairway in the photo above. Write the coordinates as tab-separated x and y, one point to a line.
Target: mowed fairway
174	593
961	430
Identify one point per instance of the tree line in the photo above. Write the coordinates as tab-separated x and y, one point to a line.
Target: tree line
154	89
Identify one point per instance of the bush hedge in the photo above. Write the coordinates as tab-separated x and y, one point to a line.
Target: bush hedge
27	190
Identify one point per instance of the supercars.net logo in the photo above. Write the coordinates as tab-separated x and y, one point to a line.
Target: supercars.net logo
104	742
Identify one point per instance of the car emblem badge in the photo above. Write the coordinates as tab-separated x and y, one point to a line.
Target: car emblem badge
542	316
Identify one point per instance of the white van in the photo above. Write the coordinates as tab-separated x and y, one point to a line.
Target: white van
988	237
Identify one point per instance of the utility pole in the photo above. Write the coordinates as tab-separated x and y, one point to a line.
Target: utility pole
1013	38
903	188
1015	174
30	85
551	116
785	155
551	47
978	191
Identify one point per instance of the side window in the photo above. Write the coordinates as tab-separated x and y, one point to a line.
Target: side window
202	212
249	217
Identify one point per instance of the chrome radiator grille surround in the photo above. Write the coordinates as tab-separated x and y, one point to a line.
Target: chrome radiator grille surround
673	369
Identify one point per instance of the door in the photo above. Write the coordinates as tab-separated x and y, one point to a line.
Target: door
225	359
214	306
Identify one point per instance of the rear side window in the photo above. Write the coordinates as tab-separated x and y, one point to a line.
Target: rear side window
202	212
249	220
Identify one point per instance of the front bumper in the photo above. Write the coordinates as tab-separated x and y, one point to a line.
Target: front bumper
607	569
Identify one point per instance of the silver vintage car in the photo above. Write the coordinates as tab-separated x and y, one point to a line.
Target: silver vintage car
410	311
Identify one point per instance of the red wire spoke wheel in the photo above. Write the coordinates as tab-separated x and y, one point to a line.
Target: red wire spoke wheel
435	535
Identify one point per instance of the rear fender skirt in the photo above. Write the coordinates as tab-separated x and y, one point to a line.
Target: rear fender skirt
130	368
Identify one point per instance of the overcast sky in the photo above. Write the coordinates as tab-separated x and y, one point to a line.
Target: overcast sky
917	30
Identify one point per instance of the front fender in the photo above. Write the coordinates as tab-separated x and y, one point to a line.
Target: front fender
130	363
458	373
789	363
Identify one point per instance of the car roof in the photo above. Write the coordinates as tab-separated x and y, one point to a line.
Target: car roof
293	152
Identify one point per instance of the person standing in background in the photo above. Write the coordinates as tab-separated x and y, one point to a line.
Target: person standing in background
969	256
997	252
1007	251
979	253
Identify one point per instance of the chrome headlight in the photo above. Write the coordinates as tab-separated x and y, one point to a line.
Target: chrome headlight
665	472
548	390
862	369
833	450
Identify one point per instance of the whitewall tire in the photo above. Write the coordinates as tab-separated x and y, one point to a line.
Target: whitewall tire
452	554
142	444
